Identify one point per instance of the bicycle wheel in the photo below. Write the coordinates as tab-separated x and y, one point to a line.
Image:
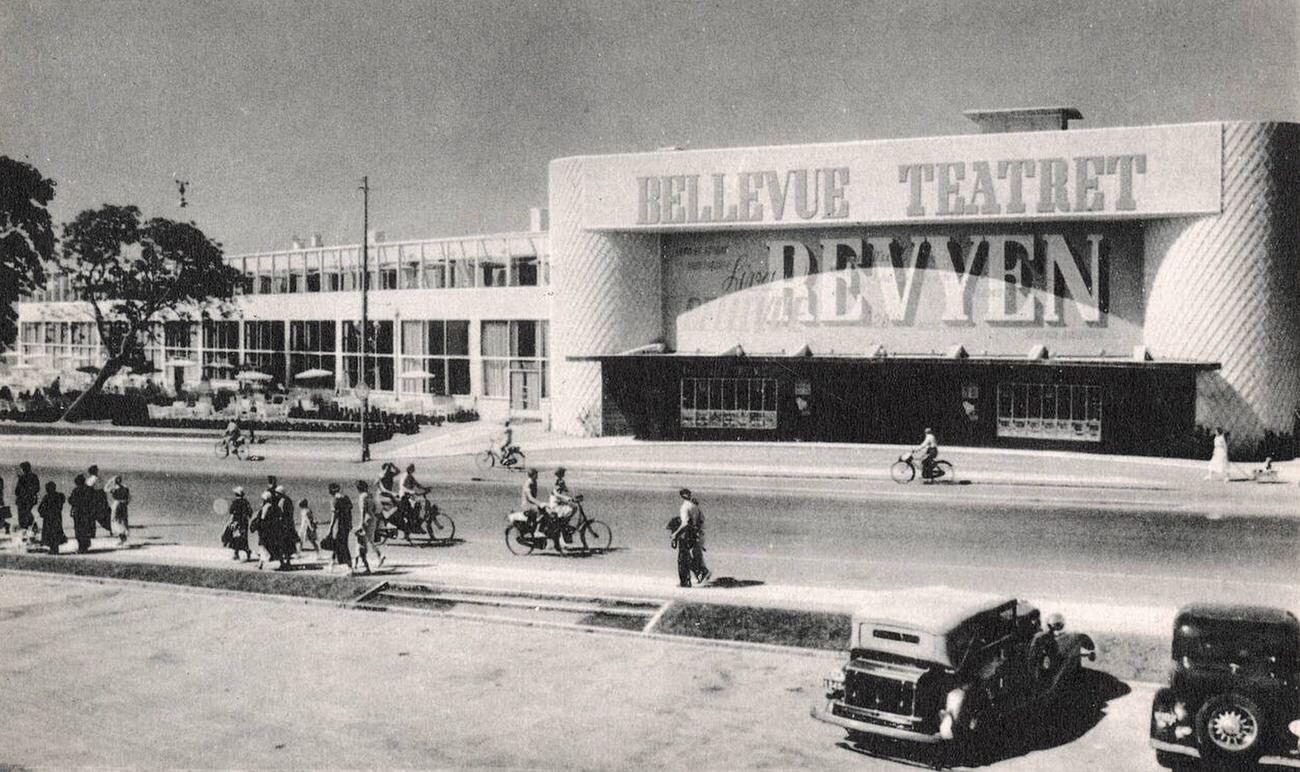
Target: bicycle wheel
902	472
596	536
240	452
440	527
515	541
943	471
485	460
221	449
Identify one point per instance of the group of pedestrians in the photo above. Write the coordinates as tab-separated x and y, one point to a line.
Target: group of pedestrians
92	505
350	542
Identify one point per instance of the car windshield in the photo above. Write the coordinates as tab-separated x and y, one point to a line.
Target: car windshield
1210	640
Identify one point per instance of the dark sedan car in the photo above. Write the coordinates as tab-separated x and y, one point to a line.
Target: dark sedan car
1233	699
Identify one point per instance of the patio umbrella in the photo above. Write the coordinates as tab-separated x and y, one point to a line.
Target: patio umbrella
312	374
181	363
252	375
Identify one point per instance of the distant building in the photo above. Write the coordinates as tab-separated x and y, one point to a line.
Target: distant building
1029	285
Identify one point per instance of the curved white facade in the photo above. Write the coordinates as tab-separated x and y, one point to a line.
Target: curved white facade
1105	246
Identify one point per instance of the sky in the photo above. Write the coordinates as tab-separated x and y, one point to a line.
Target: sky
274	110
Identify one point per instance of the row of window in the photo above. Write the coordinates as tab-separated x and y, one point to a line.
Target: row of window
508	261
432	356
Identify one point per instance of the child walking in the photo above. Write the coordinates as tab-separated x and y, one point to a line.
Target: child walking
307	526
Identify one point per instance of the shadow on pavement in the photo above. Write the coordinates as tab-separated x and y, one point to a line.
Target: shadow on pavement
1036	728
731	583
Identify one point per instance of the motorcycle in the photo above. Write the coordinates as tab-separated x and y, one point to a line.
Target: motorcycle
577	531
417	517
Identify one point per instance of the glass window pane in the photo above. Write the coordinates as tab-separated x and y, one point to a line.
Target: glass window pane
458	376
496	339
458	338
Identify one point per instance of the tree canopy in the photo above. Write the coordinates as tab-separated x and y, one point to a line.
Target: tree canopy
134	273
26	238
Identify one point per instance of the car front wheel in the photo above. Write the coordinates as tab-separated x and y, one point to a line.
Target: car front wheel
1229	728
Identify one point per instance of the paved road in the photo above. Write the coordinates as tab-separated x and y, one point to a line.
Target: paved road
1142	547
194	680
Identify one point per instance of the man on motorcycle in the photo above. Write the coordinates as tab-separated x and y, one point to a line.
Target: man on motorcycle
929	448
528	502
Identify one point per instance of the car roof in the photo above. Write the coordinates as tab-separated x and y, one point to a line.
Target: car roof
1236	612
934	610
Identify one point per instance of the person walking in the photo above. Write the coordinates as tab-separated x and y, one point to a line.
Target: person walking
27	490
100	512
286	531
5	512
688	538
1219	468
119	500
307	527
236	534
368	511
51	511
263	524
84	502
340	529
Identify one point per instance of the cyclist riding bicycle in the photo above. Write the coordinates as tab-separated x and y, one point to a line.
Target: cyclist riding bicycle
929	450
507	440
561	505
232	435
409	489
387	493
528	502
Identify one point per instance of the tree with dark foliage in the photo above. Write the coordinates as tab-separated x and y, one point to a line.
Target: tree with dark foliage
134	274
26	238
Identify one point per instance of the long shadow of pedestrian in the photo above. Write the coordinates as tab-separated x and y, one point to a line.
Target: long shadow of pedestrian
731	583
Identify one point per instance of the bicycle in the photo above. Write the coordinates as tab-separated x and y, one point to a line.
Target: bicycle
592	535
224	447
427	518
904	470
511	459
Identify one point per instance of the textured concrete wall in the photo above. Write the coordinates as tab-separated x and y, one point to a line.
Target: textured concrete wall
608	299
1226	288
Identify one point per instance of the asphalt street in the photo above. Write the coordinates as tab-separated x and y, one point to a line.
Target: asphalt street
1142	547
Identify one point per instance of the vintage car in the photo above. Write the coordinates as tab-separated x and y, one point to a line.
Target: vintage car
936	664
1233	698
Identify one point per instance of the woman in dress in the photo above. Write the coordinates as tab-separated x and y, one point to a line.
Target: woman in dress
340	530
1219	465
85	503
119	498
264	525
236	536
51	511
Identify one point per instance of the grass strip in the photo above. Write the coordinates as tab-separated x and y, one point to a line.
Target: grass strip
783	627
296	584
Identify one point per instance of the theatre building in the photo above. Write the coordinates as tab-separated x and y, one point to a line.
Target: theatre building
1026	284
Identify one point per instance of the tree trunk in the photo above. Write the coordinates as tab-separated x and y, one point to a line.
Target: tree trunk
109	369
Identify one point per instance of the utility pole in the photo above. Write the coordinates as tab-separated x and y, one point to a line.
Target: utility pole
363	386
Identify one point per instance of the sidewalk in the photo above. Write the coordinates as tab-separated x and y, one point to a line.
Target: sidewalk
1096	618
822	460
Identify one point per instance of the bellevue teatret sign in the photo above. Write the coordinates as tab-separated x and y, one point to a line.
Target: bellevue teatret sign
1088	174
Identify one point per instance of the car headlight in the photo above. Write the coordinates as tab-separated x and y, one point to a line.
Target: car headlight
1294	727
1180	711
834	683
1164	719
